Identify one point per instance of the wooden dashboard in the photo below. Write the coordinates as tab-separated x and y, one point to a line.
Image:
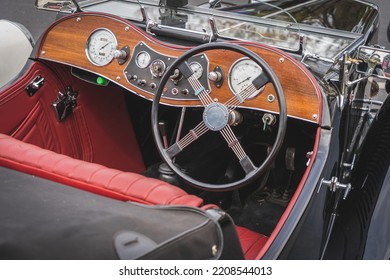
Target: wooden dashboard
66	42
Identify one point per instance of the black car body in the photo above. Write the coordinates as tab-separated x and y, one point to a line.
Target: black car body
251	129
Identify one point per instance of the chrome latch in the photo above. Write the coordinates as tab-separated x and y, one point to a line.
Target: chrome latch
334	185
65	103
35	85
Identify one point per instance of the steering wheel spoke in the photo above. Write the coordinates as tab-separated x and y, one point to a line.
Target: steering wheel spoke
190	137
236	147
239	98
199	90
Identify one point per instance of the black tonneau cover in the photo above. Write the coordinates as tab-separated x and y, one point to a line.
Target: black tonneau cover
40	219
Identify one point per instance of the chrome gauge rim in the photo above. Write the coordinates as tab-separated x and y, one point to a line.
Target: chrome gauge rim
243	66
100	47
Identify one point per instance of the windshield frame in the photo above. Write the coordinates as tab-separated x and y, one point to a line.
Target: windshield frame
303	30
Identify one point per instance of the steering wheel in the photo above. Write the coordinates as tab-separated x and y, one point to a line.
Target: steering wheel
216	115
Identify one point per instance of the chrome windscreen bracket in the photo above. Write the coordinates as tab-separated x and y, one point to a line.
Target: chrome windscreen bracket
149	23
333	184
214	34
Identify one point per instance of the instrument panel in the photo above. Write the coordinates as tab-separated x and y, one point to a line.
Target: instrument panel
120	52
147	66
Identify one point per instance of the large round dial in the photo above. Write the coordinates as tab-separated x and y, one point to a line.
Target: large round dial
101	46
242	73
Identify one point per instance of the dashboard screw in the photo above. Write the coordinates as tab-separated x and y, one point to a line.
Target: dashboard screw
281	60
315	116
127	28
78	19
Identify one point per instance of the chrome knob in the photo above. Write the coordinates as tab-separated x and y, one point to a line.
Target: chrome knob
214	76
120	54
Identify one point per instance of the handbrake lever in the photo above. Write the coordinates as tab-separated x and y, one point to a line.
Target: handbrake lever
163	131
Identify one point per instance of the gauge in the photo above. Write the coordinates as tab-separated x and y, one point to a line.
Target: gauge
197	69
157	68
143	59
242	73
101	46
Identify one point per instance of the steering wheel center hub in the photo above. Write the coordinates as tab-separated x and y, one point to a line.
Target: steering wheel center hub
215	116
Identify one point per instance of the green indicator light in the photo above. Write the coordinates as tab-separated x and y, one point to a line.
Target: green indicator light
101	81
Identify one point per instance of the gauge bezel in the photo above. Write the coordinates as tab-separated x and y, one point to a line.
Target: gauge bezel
200	67
88	45
136	59
230	72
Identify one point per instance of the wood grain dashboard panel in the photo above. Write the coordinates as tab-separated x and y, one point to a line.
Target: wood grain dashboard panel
65	42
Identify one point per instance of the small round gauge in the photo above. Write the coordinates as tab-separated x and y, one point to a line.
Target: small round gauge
242	73
197	69
101	46
143	59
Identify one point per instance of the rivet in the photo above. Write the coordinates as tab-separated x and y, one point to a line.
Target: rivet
315	116
281	60
271	98
215	99
78	19
214	250
43	52
118	78
127	28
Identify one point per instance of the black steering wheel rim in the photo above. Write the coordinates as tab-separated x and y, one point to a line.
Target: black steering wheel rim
282	124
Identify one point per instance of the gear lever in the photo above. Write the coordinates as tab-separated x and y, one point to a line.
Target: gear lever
165	172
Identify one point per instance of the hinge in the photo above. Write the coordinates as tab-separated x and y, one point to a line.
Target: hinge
334	185
35	85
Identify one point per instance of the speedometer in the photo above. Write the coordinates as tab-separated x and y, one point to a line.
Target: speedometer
101	46
241	75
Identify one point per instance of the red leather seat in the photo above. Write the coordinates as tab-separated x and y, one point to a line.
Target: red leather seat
105	181
91	177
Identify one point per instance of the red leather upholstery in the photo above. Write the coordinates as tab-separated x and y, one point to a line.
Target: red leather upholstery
99	126
91	177
251	242
109	182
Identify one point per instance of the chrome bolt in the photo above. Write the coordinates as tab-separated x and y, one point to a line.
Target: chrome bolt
271	98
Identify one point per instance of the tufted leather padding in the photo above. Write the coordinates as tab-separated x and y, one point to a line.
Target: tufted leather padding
251	242
91	177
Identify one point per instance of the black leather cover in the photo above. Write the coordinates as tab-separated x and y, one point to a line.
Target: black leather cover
40	219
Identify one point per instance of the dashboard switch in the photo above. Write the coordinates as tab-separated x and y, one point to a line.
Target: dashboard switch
185	91
141	82
175	91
